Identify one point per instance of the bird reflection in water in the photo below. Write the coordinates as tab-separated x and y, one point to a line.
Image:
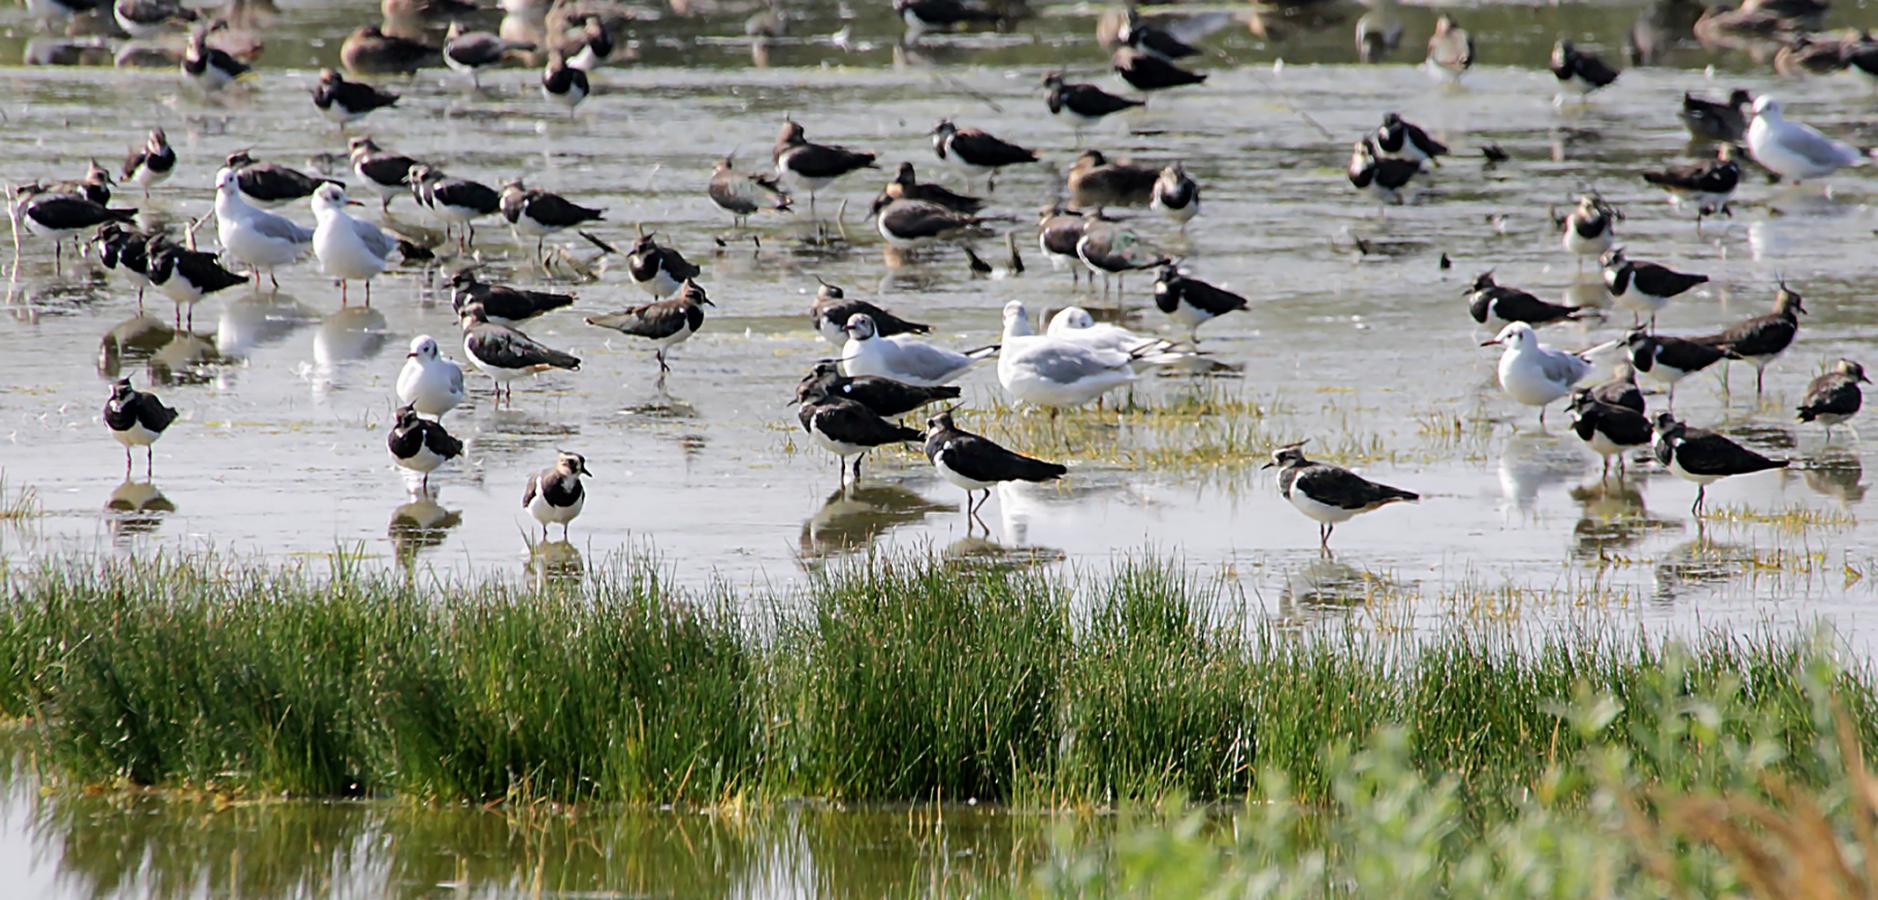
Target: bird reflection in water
855	516
348	335
132	341
134	509
1838	474
1325	586
556	564
1612	516
1701	566
1532	461
254	321
420	524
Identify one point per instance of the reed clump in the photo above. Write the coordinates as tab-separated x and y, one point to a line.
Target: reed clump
905	678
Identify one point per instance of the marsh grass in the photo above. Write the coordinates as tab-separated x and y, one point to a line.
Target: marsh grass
19	505
903	678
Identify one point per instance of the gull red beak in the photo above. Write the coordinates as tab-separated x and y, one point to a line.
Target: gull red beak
1492	343
352	202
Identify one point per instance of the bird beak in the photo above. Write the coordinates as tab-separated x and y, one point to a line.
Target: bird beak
351	202
1492	343
410	356
1267	466
583	470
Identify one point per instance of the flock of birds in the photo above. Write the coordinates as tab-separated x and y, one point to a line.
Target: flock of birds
885	368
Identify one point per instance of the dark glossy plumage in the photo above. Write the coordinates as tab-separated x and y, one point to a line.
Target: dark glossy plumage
976	148
1569	64
271	184
1835	396
906	185
980	459
1620	425
662	319
1085	101
506	348
1648	352
339	98
1172	289
832	310
1094	181
1486	299
884	396
847	421
1147	72
796	153
129	408
1397	137
410	434
1704	453
70	212
1726	122
1339	487
500	301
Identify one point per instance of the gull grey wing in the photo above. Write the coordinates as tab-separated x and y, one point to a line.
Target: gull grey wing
1066	363
926	361
1564	367
1815	147
379	243
281	228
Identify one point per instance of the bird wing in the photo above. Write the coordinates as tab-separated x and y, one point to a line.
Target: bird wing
1805	141
1344	489
374	238
980	459
923	360
279	227
1062	361
1566	368
510	349
1707	453
651	320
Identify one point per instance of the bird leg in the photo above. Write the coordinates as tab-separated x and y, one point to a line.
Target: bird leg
343	299
857	466
271	279
1697	509
1759	373
663	368
126	462
149	461
368	293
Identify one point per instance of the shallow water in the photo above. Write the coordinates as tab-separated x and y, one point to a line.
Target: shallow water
1367	351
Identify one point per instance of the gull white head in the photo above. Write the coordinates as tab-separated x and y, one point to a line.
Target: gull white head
329	199
423	348
1766	106
860	327
1070	318
225	181
1515	337
1016	319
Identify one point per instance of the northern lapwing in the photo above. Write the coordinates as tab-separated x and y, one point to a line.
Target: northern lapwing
1580	72
563	84
505	354
60	216
429	383
666	323
1112	249
127	250
1834	397
1082	105
832	310
1531	372
1152	39
975	152
1383	177
1590	229
1609	430
420	445
455	201
1496	306
908	225
502	304
136	419
922	16
186	276
658	270
1645	288
810	167
1761	339
1666	359
1176	195
269	185
1058	232
343	102
1146	72
151	164
349	249
744	194
1400	139
210	68
1329	495
884	396
1191	302
976	463
536	213
555	495
385	173
847	428
906	186
1703	457
1705	185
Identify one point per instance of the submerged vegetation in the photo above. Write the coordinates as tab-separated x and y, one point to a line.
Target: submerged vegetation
896	680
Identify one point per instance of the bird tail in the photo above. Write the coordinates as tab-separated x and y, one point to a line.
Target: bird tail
984	352
603	245
908	435
615	321
1038	470
1394	495
561	360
